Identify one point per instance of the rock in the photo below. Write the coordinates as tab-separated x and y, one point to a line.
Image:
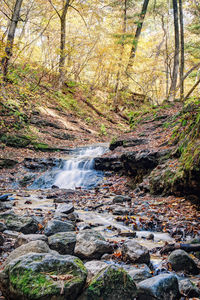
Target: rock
121	211
55	226
111	163
22	224
26	238
161	287
181	261
6	205
91	244
121	199
1	240
11	234
35	246
62	217
127	143
94	267
65	208
111	283
7	163
139	273
127	234
2	227
134	252
5	197
43	276
188	289
63	242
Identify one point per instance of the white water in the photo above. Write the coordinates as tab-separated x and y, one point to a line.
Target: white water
79	170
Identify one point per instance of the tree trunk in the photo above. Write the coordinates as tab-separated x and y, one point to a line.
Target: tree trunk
176	53
11	37
62	43
137	36
182	50
120	59
192	89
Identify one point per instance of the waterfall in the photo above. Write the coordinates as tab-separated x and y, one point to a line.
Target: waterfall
78	171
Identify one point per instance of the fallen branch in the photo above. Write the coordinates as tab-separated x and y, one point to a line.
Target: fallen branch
186	247
96	110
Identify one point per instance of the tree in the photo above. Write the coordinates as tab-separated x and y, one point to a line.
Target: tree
182	60
137	35
62	16
10	39
176	53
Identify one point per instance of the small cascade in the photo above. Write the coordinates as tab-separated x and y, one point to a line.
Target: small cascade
78	171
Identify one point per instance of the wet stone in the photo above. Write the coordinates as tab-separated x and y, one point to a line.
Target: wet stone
161	287
188	289
121	199
94	267
22	224
120	211
35	246
55	226
134	252
26	238
182	261
65	208
139	273
90	244
63	242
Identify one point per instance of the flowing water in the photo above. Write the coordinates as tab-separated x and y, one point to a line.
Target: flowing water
77	170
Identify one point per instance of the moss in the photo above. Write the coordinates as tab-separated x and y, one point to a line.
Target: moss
80	264
33	285
111	283
16	141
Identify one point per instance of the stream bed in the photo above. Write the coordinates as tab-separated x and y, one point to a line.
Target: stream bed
101	201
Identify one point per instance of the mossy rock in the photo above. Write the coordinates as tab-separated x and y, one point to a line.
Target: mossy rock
43	277
111	283
22	224
17	141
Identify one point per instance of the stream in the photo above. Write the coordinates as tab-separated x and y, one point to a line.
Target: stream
72	180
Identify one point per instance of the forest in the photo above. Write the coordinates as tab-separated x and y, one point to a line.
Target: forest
99	149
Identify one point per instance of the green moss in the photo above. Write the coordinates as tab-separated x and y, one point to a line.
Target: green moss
80	264
111	283
33	285
16	141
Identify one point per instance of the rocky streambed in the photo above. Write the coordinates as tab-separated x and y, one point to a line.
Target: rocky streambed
103	241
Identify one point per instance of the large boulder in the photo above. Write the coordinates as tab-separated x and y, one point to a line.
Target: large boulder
34	246
63	242
55	226
111	283
161	287
91	244
43	276
181	261
22	224
135	253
